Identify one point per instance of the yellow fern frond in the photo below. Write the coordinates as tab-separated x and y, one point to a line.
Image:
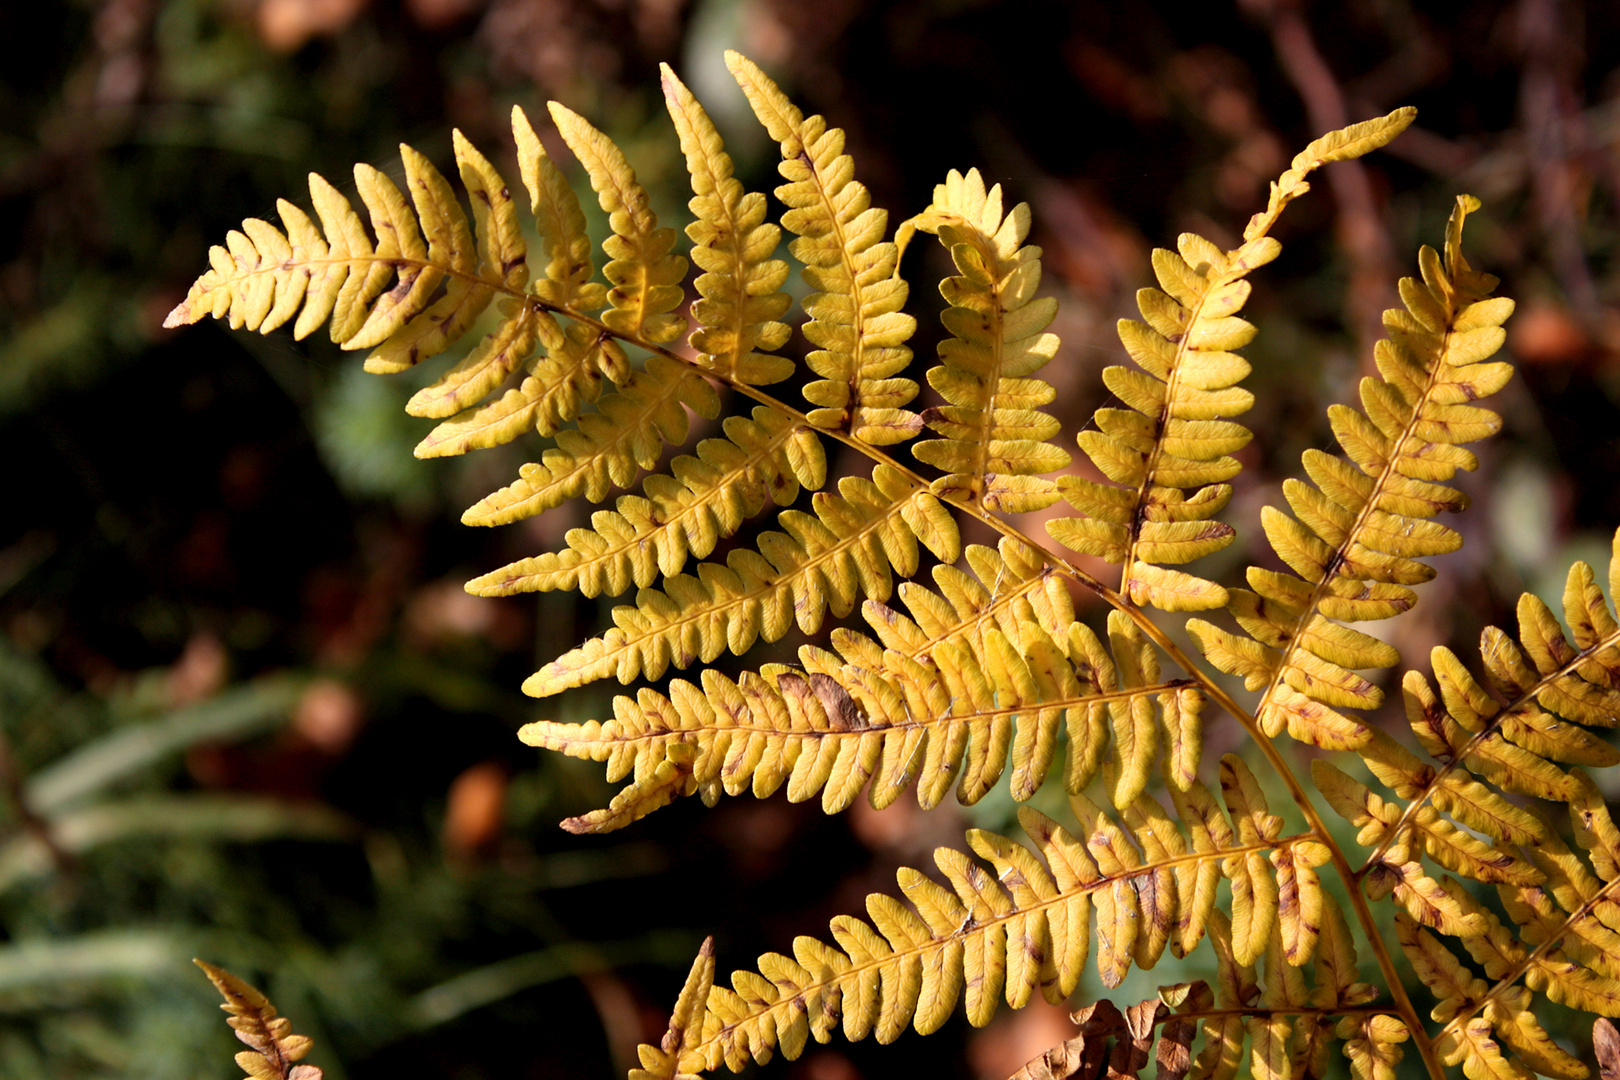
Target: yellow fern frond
445	275
1362	526
856	323
646	278
1172	438
1451	847
1373	1045
996	440
1492	1028
993	672
670	778
837	727
822	562
608	447
732	244
1551	686
982	937
261	278
274	1046
566	281
559	382
1549	971
704	499
661	1062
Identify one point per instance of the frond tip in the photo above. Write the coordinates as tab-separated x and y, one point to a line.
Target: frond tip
1167	454
856	319
995	438
274	1046
1361	526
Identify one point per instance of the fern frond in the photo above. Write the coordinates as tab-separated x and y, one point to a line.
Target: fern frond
980	938
608	447
1059	662
1552	686
704	499
1564	945
996	440
254	1019
856	323
570	370
1167	454
261	277
993	671
568	375
566	282
1453	848
685	1021
822	562
1373	1045
1363	525
645	277
742	299
836	728
1489	1031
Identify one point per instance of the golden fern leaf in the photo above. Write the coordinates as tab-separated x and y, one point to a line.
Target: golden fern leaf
1552	686
1491	1030
572	373
608	447
822	562
645	277
1373	1045
731	243
558	382
977	939
566	282
1166	455
1505	959
1363	525
685	1022
1380	823
1236	989
856	323
836	729
686	513
947	700
996	441
274	1047
260	278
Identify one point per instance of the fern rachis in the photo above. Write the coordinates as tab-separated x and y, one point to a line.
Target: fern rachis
988	671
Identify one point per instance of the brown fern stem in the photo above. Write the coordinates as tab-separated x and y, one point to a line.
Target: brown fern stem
1127	694
1290	1010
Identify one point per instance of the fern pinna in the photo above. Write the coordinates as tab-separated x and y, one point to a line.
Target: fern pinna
987	670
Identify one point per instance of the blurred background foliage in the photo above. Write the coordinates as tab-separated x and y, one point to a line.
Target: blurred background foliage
246	711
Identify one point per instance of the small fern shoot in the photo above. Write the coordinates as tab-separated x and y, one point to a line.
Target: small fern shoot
981	671
274	1047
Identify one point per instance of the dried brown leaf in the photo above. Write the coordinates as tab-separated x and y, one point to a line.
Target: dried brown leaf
1606	1046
